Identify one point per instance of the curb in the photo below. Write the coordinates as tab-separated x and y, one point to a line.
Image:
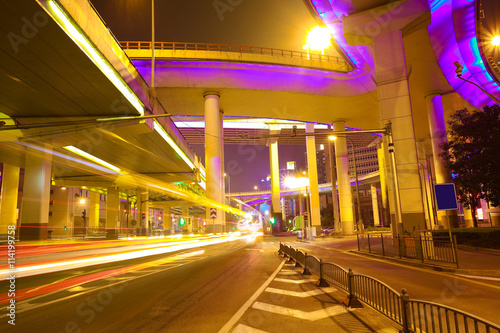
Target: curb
478	272
409	263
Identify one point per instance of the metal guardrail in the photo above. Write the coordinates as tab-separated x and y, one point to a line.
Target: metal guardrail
412	315
177	46
431	249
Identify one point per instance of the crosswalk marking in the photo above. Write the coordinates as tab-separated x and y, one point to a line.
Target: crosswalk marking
288	272
302	294
311	316
291	281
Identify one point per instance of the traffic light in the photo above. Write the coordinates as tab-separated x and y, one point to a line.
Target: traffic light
272	220
65	228
182	221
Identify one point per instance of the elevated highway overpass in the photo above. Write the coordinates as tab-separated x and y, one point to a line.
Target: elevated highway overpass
61	63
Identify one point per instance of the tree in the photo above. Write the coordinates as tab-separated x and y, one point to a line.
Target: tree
472	156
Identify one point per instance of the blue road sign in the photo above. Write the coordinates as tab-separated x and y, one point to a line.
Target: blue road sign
446	197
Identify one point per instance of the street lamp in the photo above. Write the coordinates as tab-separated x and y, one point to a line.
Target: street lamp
153	44
360	220
495	41
229	188
318	39
459	71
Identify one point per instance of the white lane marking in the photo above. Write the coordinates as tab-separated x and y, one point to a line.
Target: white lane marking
246	329
249	302
291	281
479	277
289	272
260	250
302	294
311	316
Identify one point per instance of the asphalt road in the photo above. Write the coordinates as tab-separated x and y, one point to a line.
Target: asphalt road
199	290
194	293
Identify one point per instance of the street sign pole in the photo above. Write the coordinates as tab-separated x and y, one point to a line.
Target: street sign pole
213	215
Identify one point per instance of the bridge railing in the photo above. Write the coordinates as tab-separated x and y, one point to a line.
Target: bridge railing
412	315
177	46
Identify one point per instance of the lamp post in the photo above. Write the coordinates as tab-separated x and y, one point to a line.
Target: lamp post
459	70
228	188
152	44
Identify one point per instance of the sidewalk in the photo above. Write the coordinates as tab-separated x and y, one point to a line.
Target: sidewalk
472	261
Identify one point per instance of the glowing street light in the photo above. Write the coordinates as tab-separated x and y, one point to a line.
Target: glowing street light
495	41
318	39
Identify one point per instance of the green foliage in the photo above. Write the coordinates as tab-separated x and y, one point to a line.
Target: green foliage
473	157
477	237
327	219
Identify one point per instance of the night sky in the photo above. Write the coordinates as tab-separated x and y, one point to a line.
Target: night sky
265	23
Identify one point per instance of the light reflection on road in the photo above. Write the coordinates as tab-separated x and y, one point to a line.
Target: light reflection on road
137	251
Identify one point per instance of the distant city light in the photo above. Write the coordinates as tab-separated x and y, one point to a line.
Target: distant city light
495	41
292	182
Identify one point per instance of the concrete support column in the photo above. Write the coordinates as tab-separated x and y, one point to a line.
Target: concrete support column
112	212
94	201
8	203
343	181
275	174
427	181
143	206
172	223
376	218
394	105
222	171
335	201
185	214
213	157
36	195
437	126
383	171
468	218
62	212
312	171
